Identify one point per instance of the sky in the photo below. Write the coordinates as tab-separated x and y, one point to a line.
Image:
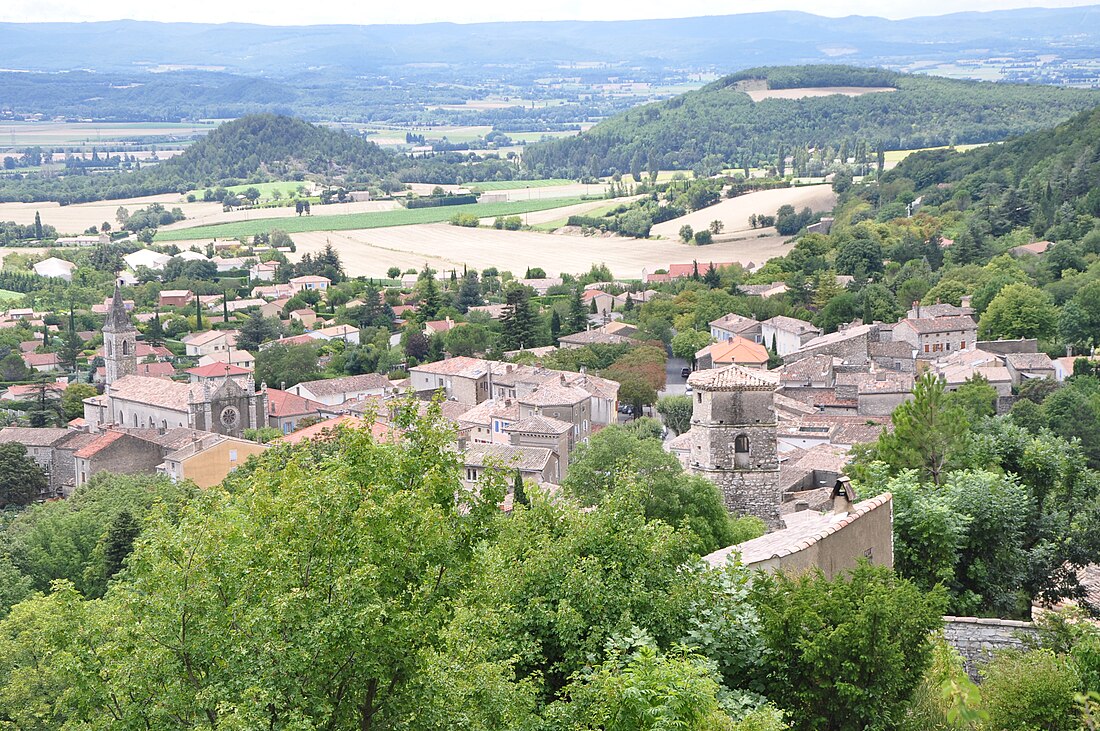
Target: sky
295	12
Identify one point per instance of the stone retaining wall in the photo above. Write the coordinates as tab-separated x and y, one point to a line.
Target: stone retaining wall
977	638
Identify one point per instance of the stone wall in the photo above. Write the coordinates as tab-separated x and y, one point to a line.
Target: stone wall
748	492
978	638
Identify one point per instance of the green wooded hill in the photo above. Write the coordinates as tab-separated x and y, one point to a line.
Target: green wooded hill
720	124
255	147
1047	180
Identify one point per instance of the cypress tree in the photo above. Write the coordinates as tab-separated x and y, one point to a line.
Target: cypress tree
578	318
198	313
519	496
120	542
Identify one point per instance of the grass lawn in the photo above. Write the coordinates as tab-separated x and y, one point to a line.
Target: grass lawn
6	295
519	184
351	221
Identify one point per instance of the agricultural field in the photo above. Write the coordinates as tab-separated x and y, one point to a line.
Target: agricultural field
519	184
75	219
6	295
759	95
63	134
441	246
381	219
893	157
734	212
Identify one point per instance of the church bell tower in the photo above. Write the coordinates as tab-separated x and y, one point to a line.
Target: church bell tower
119	341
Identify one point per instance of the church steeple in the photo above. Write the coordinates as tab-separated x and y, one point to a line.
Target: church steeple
119	340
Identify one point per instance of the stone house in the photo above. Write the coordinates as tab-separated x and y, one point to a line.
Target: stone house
175	298
309	282
338	391
208	461
533	463
736	350
732	325
933	337
463	379
787	334
285	410
1025	366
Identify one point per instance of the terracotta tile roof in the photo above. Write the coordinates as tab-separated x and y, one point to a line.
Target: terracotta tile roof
326	430
310	279
215	370
675	271
791	325
735	323
209	336
733	378
155	392
102	442
813	368
1030	361
484	413
736	350
594	337
526	459
459	366
32	437
926	325
805	529
40	359
283	403
536	424
554	394
347	384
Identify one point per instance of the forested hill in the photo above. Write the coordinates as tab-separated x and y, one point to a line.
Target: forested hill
721	124
1047	180
256	147
273	145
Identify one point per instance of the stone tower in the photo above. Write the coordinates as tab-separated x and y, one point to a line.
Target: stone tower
733	427
119	341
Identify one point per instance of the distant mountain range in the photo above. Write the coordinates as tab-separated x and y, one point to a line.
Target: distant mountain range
726	43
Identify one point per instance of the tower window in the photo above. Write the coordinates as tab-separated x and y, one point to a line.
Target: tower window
741	451
125	347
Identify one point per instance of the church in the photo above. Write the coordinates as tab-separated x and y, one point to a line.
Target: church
228	407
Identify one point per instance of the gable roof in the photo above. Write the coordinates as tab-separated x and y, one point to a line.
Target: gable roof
347	384
737	350
214	370
526	459
284	403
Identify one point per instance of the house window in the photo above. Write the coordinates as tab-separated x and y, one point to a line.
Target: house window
232	455
698	397
741	451
926	348
962	345
471	474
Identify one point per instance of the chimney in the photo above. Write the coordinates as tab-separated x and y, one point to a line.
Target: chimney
562	379
801	506
843	495
965	301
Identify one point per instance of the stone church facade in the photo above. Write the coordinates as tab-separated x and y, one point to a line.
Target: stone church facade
733	439
228	407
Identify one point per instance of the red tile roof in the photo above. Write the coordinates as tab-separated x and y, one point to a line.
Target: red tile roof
215	370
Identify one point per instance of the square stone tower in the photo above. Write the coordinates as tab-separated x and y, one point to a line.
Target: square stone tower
733	429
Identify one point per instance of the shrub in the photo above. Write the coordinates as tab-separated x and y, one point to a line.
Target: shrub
1031	690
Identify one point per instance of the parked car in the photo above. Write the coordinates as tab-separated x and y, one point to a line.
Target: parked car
685	372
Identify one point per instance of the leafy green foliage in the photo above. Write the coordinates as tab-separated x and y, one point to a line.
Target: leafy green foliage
929	433
1031	690
21	479
846	653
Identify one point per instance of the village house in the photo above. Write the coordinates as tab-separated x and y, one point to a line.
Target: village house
933	337
463	379
306	316
285	410
785	335
592	337
736	350
209	341
216	372
42	362
1026	366
541	286
346	333
338	391
729	326
175	298
240	358
532	463
604	302
208	460
311	282
263	272
489	421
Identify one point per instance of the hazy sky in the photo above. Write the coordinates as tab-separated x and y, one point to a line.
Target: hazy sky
296	12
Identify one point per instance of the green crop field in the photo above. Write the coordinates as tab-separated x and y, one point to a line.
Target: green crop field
594	213
519	184
288	189
6	295
380	219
